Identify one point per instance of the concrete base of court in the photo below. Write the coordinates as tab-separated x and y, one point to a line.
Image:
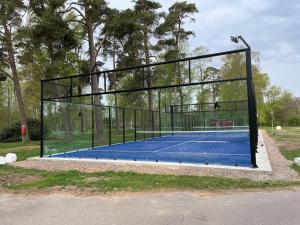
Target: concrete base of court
262	158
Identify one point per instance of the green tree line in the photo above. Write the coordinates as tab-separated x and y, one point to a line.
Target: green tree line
42	39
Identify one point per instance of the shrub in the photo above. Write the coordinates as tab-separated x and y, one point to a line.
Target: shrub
294	120
13	132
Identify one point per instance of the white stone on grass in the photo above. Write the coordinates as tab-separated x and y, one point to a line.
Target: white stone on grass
2	160
10	157
297	161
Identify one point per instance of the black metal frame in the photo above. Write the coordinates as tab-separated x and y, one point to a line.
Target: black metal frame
248	78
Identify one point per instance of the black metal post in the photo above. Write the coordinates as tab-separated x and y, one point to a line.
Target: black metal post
42	121
123	125
159	113
93	125
135	125
152	123
172	119
109	124
251	109
143	122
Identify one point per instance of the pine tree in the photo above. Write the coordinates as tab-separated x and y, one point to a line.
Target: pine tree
10	24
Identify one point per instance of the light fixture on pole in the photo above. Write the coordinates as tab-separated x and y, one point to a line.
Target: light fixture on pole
236	40
98	63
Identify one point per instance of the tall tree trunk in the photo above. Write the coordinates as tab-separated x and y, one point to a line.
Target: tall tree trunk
99	134
8	106
148	72
115	84
147	59
16	81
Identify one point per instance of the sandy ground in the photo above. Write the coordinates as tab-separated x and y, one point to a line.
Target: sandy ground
162	208
280	167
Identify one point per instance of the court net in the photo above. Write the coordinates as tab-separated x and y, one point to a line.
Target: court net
237	134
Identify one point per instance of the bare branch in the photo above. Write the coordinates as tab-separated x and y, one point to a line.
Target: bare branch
77	21
6	74
70	8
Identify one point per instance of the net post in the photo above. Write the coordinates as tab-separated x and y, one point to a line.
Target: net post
42	121
134	125
109	124
159	114
152	123
93	126
172	119
159	121
143	122
251	109
123	125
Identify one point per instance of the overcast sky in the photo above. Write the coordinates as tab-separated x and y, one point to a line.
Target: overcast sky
271	27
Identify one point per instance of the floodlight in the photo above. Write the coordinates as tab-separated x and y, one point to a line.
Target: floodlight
234	39
99	63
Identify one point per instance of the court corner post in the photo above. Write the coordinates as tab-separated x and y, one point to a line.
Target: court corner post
251	104
42	121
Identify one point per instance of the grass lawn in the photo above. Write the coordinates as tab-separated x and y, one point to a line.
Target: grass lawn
290	154
17	144
20	179
22	150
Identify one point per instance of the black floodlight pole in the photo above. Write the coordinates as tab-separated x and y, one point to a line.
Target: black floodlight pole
251	100
42	121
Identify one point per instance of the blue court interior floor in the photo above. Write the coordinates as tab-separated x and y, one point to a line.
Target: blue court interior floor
229	149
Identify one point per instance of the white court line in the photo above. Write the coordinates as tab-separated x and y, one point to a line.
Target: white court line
193	141
179	144
181	153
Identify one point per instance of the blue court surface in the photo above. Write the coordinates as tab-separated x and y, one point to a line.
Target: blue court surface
224	148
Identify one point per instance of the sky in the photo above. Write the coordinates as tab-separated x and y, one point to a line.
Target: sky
271	27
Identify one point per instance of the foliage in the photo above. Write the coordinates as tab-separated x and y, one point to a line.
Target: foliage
13	132
60	38
291	154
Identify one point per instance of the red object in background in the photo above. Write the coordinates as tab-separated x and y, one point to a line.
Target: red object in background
23	130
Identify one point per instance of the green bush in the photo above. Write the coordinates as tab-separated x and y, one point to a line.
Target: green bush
13	132
294	121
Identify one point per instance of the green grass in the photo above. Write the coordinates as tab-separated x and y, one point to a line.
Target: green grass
4	145
123	181
296	168
290	154
22	150
22	155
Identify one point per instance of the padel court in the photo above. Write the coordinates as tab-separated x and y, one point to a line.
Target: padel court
196	110
205	147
